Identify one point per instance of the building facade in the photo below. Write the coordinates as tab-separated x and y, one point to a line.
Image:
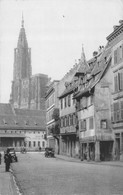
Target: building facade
115	41
51	99
69	134
93	107
28	91
21	128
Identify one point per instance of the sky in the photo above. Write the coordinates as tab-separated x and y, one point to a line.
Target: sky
55	30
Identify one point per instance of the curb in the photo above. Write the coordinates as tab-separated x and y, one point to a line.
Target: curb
90	162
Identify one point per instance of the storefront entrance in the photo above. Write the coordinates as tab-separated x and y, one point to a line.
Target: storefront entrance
106	148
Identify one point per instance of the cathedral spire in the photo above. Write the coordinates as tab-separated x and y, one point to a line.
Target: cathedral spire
83	58
22	22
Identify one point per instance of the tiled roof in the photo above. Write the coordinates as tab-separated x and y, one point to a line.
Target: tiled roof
69	89
28	112
5	109
21	119
98	69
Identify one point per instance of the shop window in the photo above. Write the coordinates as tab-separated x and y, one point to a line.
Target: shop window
104	124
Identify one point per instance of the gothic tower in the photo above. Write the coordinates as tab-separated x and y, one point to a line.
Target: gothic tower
22	71
28	91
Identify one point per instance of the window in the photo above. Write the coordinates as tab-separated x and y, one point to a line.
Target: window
118	81
74	119
34	143
71	119
29	143
104	124
91	123
65	102
61	103
38	144
43	144
115	57
61	122
65	123
83	125
69	100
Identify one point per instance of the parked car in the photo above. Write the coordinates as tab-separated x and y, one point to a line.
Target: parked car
49	152
13	154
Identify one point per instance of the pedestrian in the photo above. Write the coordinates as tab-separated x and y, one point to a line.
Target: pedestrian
0	158
7	160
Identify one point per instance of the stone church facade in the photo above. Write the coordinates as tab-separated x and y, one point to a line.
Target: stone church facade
28	91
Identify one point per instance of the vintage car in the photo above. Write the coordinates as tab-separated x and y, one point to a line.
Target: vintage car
49	152
13	154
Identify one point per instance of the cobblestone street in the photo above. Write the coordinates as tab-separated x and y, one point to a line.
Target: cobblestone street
38	175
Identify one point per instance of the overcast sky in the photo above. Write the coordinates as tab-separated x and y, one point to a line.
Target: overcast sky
55	30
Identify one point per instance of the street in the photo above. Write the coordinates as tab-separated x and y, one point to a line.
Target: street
38	175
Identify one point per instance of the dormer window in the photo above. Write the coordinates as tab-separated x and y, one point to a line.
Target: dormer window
16	123
5	122
26	122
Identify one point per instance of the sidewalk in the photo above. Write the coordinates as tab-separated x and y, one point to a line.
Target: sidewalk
106	163
6	182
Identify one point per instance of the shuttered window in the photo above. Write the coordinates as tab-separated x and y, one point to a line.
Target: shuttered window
116	83
115	57
69	100
121	80
118	111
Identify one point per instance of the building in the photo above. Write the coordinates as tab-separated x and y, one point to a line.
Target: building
52	104
69	135
93	107
115	42
28	91
20	128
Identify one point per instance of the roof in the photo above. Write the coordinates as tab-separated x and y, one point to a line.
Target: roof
81	68
69	90
5	109
21	118
117	30
99	69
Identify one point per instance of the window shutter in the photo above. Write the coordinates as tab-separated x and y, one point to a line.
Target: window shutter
121	111
121	80
115	57
116	83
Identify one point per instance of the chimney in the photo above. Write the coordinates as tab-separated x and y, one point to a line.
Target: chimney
95	53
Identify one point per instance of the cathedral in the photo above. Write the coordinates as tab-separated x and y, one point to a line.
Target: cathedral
28	91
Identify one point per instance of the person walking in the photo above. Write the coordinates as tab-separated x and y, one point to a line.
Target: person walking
7	160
